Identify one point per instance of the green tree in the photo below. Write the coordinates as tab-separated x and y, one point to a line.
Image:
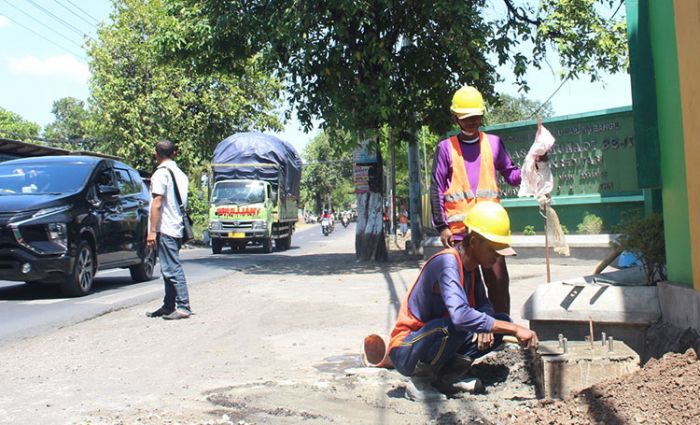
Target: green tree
138	98
360	65
13	126
70	124
327	176
510	109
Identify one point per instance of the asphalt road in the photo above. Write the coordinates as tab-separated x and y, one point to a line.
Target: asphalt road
28	310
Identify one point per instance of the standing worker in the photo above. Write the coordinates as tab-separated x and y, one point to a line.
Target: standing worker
166	231
446	320
464	173
403	220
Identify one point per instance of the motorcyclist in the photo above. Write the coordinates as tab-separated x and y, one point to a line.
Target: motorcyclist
329	216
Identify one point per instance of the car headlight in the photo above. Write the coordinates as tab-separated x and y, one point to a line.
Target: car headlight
50	238
259	224
215	225
58	234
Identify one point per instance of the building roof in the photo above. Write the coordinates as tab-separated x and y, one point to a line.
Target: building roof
23	150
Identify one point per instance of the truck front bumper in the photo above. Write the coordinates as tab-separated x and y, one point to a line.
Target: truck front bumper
247	234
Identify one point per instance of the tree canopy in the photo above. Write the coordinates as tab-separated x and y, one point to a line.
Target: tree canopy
511	109
71	120
13	126
138	98
361	64
327	177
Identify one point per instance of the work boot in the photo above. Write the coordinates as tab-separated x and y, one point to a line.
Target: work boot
455	368
453	378
420	388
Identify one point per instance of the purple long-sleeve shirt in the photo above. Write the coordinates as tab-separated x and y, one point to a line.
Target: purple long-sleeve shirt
442	172
427	304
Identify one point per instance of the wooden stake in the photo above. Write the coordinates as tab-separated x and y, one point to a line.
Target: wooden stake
590	328
546	245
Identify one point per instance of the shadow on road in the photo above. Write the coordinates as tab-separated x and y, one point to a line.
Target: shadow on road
37	291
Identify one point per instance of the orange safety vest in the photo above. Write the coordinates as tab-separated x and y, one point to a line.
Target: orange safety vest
459	197
407	322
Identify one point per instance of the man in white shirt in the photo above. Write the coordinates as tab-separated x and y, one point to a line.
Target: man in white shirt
165	231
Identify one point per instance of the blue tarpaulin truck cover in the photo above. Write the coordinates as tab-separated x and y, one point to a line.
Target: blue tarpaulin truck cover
258	156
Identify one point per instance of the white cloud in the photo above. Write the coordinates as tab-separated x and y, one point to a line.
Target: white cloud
4	21
53	66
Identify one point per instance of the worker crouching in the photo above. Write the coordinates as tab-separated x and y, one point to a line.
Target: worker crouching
433	341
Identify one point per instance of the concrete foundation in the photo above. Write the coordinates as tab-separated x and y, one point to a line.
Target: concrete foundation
558	375
612	302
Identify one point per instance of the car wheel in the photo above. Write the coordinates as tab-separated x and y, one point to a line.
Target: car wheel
143	271
80	281
267	245
216	246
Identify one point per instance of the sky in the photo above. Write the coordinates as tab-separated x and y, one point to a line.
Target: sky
41	61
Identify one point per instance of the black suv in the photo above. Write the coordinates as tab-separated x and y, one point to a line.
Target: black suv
62	218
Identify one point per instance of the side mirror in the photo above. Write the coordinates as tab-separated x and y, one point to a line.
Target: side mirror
107	191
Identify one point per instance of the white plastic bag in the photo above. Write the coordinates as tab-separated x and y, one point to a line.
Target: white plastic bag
537	178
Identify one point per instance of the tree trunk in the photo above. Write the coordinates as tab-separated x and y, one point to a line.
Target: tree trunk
369	232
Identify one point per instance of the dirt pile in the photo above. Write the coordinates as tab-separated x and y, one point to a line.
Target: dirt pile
663	392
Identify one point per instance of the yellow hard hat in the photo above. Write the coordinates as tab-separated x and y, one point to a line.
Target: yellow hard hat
467	102
490	220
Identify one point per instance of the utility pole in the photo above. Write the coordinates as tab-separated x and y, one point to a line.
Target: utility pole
392	142
414	184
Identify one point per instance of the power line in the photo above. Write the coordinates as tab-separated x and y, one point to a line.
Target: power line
45	38
42	24
75	14
84	12
66	24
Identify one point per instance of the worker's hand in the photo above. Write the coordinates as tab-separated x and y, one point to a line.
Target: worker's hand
484	341
151	240
446	237
527	338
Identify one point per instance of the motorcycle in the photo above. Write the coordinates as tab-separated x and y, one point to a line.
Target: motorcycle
345	221
326	227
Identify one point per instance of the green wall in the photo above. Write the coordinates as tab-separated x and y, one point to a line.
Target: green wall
673	172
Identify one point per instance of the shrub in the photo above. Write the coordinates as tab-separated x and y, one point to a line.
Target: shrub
645	237
564	229
591	224
529	231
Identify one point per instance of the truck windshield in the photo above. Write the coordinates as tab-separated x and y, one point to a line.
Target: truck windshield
239	192
42	179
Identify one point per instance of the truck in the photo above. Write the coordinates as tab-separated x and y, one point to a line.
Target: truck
253	192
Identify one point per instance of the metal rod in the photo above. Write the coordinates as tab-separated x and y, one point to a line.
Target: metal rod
560	337
610	343
563	345
603	338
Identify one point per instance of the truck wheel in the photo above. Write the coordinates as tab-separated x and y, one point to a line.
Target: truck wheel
281	244
288	242
80	281
216	245
143	271
267	245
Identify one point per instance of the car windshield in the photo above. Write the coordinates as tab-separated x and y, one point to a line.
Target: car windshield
239	192
31	179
